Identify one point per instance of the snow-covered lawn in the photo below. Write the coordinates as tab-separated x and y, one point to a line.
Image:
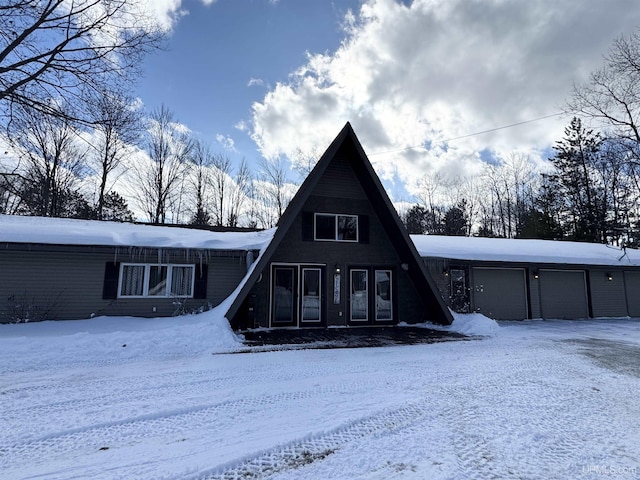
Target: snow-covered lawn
165	398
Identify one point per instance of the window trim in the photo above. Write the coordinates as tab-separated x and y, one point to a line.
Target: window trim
336	217
147	273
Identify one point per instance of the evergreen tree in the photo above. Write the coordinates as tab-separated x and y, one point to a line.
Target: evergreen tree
455	221
575	179
415	220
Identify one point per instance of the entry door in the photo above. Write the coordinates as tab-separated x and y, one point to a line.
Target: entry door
359	295
296	296
384	295
311	295
371	298
283	296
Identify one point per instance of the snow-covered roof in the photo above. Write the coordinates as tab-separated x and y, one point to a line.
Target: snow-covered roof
521	250
63	231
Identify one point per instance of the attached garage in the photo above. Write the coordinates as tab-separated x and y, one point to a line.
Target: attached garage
632	287
563	294
509	279
500	293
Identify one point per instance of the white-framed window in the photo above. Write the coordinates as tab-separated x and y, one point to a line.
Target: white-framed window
141	280
336	227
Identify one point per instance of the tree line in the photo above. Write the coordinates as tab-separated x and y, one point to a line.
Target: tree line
62	170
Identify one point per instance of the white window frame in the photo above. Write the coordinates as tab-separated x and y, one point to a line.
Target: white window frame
336	228
147	273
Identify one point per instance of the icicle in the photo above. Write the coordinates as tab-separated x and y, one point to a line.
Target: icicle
249	259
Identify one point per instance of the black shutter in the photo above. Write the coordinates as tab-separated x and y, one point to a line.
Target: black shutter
363	228
200	285
307	226
110	285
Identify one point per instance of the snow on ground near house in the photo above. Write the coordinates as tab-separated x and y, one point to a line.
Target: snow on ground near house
65	231
164	398
522	250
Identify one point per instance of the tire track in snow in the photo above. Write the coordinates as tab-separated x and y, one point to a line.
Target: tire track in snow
137	429
522	419
131	392
297	454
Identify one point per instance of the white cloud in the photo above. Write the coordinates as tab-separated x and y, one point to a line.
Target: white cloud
436	70
168	12
255	82
226	141
165	12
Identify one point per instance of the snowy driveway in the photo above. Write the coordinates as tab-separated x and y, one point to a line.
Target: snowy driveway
537	400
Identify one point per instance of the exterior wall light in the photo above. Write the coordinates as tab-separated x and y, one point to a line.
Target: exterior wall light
404	266
609	276
536	274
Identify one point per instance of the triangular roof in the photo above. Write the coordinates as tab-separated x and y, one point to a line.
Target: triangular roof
378	197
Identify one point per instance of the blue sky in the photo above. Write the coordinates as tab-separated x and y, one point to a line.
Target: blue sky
415	78
223	57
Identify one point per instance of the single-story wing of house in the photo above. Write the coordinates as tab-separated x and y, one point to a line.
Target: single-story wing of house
340	256
519	279
55	268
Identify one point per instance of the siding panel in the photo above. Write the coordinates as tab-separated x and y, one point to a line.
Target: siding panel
340	181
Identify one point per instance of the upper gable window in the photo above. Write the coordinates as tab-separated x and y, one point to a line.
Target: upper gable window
336	227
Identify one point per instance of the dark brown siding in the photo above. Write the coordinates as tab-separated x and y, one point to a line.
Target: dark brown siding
378	252
39	285
340	181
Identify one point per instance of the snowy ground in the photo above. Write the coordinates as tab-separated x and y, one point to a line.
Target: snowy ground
133	398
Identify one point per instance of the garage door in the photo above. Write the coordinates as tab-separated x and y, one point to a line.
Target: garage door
500	293
563	294
632	287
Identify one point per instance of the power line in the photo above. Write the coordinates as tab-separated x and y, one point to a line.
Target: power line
473	134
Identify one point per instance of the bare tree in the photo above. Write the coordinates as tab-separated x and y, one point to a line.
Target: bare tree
240	191
199	181
273	190
117	126
53	48
50	164
10	203
169	146
220	183
305	160
612	93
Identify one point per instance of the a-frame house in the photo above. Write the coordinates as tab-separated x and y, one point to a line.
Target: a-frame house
340	256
